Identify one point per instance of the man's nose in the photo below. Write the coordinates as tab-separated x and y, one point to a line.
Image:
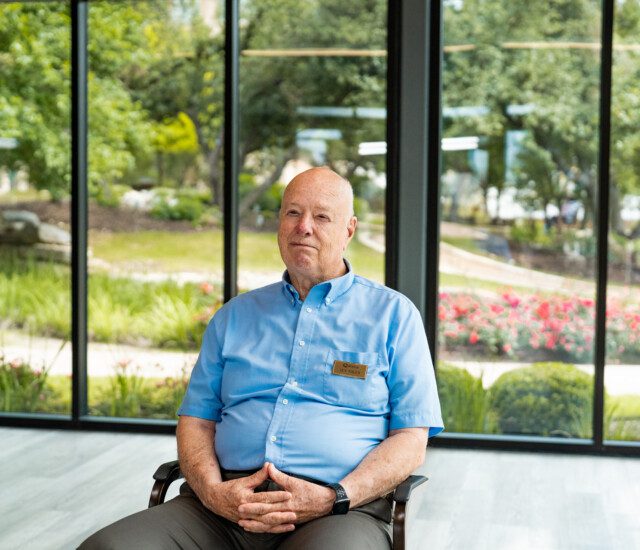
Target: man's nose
305	224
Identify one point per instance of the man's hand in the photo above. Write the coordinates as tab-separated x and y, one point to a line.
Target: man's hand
308	501
227	497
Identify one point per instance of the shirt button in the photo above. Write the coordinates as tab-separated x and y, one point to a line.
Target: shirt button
309	310
327	300
294	382
285	401
301	343
273	438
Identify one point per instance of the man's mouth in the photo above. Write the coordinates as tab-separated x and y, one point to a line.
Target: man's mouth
303	245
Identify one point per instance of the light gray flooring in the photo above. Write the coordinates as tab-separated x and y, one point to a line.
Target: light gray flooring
57	487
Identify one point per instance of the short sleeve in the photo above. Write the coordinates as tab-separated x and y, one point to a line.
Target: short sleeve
202	398
413	396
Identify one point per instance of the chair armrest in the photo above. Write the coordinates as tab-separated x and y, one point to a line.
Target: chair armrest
165	475
403	491
401	497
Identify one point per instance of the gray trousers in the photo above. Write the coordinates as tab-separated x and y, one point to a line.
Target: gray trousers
184	523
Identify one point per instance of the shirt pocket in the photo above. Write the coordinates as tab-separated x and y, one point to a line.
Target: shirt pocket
348	391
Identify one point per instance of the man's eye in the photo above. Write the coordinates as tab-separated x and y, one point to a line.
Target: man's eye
323	217
292	213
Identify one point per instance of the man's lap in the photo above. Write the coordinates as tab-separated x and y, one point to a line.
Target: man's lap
184	523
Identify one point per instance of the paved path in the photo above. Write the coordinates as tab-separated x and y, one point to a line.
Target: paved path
156	363
477	267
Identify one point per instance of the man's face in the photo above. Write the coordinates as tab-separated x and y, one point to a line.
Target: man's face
315	225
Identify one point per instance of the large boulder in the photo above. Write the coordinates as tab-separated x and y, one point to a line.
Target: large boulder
24	232
51	234
19	227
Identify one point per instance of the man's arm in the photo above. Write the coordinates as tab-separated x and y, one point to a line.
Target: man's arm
199	464
386	466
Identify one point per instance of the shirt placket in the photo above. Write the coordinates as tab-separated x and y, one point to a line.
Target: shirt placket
276	444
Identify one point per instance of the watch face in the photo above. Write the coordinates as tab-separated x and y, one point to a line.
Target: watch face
341	506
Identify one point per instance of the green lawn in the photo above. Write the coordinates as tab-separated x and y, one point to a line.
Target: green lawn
202	251
169	252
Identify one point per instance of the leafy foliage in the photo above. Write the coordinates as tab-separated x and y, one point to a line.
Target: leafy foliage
549	399
463	400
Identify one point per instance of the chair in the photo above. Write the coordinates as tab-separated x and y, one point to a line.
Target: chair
169	472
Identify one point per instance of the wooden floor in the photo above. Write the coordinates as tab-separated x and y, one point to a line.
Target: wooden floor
58	487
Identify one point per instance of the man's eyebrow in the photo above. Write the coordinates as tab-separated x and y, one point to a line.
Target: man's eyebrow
316	208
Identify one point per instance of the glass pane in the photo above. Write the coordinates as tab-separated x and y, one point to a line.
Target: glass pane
156	83
311	94
622	371
35	175
518	190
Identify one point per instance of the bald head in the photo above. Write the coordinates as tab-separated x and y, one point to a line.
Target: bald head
325	179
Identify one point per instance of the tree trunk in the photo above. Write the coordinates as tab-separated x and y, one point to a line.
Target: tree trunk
250	199
213	157
614	210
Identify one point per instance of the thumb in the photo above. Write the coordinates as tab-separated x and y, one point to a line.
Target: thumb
281	479
257	478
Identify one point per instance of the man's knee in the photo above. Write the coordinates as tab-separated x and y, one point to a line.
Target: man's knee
131	532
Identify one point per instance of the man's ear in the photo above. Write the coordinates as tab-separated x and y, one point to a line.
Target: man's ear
351	229
353	223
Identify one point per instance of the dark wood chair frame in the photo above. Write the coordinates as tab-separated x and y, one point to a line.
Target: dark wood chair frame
169	472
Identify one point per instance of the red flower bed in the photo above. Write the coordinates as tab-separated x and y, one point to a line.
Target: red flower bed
556	327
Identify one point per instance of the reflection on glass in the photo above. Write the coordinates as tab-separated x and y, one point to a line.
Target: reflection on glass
312	92
622	371
35	250
518	186
155	186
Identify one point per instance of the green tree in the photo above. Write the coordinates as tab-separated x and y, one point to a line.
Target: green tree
35	83
523	65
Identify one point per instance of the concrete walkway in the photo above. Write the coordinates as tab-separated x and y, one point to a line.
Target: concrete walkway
157	363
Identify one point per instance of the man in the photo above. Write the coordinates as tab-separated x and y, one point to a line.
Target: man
325	376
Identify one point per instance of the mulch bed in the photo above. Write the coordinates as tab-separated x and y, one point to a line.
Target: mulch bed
101	218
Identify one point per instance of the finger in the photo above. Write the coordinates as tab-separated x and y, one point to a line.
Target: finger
259	508
257	478
272	518
281	479
259	527
268	497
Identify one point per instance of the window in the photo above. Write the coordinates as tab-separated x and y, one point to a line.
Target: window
156	83
35	175
312	92
518	217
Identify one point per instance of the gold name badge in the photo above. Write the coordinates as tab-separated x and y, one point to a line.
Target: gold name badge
352	370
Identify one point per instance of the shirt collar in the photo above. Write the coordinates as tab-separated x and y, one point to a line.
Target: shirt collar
330	290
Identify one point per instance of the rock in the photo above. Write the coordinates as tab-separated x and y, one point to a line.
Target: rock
48	233
19	227
23	231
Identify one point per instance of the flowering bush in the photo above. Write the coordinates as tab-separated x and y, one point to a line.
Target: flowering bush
128	393
552	327
22	388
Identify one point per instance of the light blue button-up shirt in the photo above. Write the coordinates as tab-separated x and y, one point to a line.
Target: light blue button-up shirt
264	375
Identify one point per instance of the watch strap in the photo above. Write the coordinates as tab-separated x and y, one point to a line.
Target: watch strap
342	502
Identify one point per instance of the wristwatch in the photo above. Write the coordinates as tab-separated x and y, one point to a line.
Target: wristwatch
341	503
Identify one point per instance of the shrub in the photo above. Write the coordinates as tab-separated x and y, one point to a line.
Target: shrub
463	400
128	394
22	388
180	208
549	399
110	194
124	394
